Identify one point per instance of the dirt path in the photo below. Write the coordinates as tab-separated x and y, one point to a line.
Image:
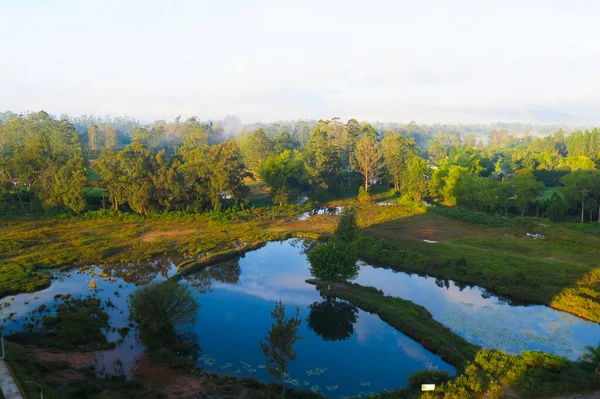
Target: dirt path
8	384
589	395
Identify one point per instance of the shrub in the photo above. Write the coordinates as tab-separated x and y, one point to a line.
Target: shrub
415	380
363	195
346	228
159	307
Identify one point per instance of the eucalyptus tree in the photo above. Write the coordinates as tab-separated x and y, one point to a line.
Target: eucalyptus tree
367	159
397	151
578	187
322	161
256	148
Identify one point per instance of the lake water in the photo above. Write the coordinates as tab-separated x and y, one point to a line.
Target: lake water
487	320
344	351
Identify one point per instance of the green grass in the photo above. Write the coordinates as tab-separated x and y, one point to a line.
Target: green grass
531	375
15	278
93	175
548	193
109	237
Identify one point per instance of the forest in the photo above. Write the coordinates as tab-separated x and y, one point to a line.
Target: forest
58	165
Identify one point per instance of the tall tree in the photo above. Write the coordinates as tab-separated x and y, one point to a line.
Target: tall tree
367	157
283	173
112	137
396	151
415	179
278	346
93	134
226	174
256	148
322	161
578	187
526	190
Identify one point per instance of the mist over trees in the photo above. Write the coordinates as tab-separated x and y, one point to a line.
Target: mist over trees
193	165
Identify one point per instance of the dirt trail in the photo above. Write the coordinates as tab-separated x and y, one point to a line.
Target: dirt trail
154	235
589	395
75	359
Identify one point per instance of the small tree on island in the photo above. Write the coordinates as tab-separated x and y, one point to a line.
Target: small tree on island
346	228
159	307
334	261
279	343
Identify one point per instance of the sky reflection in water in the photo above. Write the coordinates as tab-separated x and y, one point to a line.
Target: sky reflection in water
368	355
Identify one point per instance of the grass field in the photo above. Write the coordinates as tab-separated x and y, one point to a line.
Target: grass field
561	269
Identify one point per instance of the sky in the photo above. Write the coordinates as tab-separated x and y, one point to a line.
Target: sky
429	61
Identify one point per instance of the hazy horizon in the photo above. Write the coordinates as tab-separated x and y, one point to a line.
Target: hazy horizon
464	62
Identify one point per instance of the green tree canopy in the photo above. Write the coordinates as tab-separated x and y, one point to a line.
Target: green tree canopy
333	262
159	308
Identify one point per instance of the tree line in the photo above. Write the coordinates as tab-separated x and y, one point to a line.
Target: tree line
48	163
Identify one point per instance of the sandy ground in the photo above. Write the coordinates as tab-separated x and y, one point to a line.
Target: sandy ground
178	385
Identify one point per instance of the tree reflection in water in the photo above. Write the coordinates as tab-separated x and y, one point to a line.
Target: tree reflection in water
332	319
141	273
225	272
305	245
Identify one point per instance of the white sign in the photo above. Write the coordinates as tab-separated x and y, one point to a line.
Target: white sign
428	387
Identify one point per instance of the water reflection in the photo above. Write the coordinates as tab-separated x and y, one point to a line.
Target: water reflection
332	319
485	319
143	272
343	345
227	272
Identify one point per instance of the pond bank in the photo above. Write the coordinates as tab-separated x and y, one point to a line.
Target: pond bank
582	299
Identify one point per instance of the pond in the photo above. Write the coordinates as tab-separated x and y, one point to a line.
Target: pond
487	320
117	288
344	351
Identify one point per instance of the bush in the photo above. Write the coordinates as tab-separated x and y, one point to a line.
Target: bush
346	228
159	307
363	195
437	377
